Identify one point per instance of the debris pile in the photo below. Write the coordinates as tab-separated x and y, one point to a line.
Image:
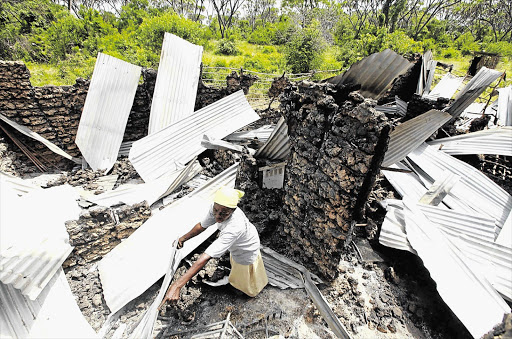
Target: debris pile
337	145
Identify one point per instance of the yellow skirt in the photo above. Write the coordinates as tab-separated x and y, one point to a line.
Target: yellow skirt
249	279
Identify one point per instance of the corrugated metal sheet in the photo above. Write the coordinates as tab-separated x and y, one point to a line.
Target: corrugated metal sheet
374	73
158	153
446	87
505	106
409	135
428	67
490	141
211	143
143	258
262	134
474	188
468	294
470	233
54	314
472	90
106	110
34	241
26	131
176	82
397	107
18	185
124	150
277	146
505	236
401	106
151	191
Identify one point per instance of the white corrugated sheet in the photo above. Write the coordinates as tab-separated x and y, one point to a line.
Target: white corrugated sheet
504	113
473	89
151	191
466	291
124	150
176	82
409	135
261	134
446	88
34	241
277	146
18	185
472	234
505	236
143	258
106	110
159	153
54	314
474	188
428	67
489	141
374	73
54	148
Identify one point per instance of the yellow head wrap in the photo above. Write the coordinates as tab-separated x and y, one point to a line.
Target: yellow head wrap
228	197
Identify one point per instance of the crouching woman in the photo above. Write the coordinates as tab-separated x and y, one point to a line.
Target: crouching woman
238	236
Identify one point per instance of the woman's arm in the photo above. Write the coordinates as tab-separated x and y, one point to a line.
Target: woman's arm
173	292
197	229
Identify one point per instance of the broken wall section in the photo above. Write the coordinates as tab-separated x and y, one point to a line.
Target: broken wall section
337	146
51	111
100	229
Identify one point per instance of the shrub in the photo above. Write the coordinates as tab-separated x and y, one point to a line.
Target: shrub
303	52
262	36
227	47
450	52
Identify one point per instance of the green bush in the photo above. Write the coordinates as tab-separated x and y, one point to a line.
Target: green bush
466	44
303	51
450	52
262	36
401	43
349	53
227	47
502	48
284	30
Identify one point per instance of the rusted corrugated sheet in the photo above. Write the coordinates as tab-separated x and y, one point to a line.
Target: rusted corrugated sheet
143	258
490	141
409	135
106	110
504	113
176	82
34	241
277	146
474	88
374	73
54	314
159	153
54	148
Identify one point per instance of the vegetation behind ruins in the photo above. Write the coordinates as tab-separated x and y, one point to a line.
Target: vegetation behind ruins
60	45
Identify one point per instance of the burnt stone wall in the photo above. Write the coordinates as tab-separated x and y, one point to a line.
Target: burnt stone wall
337	146
54	111
99	229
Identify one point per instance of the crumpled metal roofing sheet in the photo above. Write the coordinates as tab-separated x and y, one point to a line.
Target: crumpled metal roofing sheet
54	314
494	259
143	258
176	82
446	87
20	186
262	134
504	113
159	153
106	110
474	188
277	146
428	67
150	192
124	150
34	241
505	236
489	141
26	131
468	294
374	73
409	135
473	89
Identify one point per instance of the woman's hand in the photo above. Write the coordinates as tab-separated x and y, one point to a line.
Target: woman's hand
172	295
181	241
